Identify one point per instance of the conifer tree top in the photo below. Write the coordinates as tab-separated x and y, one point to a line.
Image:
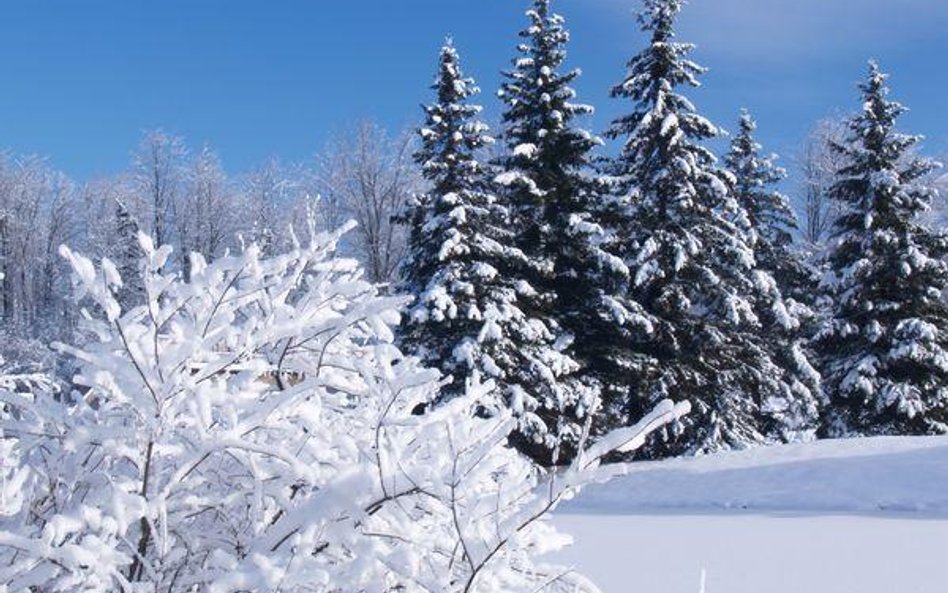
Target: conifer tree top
880	176
538	96
769	211
667	57
745	150
877	107
659	16
662	156
451	133
450	83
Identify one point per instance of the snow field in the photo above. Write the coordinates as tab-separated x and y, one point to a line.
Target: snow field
759	553
844	516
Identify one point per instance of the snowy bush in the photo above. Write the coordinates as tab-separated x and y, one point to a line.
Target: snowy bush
16	390
252	430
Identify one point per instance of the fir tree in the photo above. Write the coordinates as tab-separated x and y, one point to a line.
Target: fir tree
126	254
554	203
785	313
885	348
692	267
473	314
769	214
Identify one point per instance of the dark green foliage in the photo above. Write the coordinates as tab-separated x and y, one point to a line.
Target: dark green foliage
474	315
884	350
451	230
555	203
788	286
769	213
693	270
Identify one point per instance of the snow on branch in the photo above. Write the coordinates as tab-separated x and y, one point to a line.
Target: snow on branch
253	429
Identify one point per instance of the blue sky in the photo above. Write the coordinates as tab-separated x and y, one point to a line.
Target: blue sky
82	80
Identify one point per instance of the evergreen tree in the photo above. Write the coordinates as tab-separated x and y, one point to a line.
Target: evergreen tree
126	254
885	348
692	267
785	315
769	214
554	203
472	314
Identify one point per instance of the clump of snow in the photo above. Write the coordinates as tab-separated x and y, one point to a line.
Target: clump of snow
525	150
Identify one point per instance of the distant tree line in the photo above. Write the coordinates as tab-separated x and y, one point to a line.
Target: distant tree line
185	198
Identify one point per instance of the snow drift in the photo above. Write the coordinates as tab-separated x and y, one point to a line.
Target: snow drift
862	476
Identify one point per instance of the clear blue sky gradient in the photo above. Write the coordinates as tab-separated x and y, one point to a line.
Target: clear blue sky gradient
82	80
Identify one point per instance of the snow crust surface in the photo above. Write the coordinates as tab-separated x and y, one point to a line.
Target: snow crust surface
757	553
851	476
844	516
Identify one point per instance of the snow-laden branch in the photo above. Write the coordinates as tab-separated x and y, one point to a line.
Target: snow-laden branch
252	429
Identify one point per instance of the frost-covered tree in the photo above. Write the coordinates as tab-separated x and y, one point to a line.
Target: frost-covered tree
936	218
34	218
367	175
555	203
125	252
269	195
785	315
205	213
817	168
158	178
474	312
885	347
252	430
692	267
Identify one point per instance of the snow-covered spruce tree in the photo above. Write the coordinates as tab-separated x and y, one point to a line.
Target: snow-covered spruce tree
692	267
252	430
770	216
789	286
555	202
474	310
125	252
884	350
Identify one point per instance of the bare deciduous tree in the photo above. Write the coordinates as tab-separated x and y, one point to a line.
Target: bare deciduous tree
818	166
269	195
62	226
204	213
158	177
367	175
33	214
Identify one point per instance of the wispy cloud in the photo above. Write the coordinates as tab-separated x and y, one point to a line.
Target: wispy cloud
769	29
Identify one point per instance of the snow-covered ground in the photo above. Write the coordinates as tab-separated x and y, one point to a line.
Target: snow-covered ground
849	516
758	553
